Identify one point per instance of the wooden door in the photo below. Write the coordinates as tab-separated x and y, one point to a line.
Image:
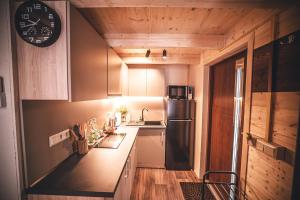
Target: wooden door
221	118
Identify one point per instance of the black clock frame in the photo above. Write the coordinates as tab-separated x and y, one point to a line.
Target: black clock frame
56	30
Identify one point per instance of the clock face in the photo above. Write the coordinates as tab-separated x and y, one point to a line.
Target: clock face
37	23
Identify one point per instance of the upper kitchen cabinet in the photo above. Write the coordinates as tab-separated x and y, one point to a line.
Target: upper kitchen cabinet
177	74
146	81
117	75
73	68
137	78
87	59
156	82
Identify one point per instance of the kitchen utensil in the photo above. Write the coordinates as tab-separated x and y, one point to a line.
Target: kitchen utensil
76	129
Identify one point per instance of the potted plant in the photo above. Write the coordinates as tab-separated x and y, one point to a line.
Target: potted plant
123	110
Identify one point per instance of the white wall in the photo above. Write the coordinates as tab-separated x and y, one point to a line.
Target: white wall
9	173
196	80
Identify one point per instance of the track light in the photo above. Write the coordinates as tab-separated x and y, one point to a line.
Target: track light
164	54
148	53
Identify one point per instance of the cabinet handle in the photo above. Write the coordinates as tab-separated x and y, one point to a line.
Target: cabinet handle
162	138
129	161
126	170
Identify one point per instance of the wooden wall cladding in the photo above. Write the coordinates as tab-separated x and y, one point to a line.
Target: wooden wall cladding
258	114
268	178
43	71
262	62
286	68
285	118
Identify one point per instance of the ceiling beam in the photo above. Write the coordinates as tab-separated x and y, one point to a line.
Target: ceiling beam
157	59
165	41
183	3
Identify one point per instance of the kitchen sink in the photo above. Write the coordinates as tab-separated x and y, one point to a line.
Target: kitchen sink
144	123
153	123
135	123
111	141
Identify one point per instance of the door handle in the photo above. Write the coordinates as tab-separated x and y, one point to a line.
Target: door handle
180	120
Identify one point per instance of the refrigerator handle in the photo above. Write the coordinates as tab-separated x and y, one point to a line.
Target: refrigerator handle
180	120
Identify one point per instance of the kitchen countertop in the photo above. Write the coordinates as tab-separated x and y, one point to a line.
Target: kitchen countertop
161	126
94	174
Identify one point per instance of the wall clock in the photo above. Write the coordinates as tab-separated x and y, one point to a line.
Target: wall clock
37	23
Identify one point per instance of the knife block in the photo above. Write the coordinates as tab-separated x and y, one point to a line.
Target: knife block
82	146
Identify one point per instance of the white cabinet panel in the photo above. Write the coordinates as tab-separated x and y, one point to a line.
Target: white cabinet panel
151	148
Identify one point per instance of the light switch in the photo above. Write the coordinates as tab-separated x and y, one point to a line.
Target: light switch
58	137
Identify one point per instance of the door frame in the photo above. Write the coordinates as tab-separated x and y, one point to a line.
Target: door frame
238	62
13	178
245	43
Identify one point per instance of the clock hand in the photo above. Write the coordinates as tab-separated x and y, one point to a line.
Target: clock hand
37	21
32	23
28	25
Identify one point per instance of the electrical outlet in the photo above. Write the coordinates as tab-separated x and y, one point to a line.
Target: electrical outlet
59	137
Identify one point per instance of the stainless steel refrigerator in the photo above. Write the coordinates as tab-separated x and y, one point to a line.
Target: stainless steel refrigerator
180	134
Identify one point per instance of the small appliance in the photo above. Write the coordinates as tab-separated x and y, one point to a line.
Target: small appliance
180	92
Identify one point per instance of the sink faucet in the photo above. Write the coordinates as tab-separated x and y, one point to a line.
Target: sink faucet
142	117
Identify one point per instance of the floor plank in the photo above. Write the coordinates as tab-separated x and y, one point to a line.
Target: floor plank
161	184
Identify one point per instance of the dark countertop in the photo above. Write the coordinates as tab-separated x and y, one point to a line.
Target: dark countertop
94	174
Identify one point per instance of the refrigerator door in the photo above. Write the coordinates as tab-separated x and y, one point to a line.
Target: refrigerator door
180	109
179	145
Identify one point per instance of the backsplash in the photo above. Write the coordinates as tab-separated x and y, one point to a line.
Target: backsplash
136	104
45	118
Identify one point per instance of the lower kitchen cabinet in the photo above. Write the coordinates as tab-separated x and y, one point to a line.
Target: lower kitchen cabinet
151	148
123	191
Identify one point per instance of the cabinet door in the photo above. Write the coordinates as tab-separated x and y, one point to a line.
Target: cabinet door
177	74
88	59
151	148
124	79
132	168
155	82
114	78
137	81
121	191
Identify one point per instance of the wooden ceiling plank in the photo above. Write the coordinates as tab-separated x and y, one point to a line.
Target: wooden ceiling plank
182	3
182	59
163	20
165	40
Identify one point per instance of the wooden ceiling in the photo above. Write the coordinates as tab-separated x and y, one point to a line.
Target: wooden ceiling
164	20
184	28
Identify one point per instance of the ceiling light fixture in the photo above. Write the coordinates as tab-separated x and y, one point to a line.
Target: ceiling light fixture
148	53
164	54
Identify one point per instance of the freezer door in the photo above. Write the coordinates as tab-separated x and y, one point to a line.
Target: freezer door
179	145
180	109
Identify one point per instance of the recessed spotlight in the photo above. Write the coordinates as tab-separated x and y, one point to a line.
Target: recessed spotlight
164	54
148	53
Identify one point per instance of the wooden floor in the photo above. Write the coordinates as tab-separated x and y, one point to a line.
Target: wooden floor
160	184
